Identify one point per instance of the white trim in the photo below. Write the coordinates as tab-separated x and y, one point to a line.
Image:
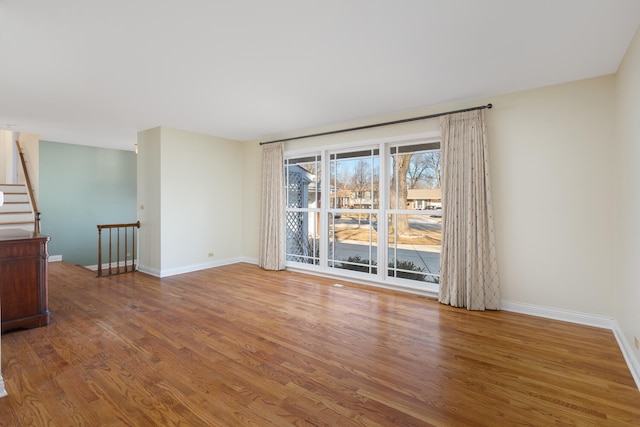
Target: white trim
354	279
581	319
627	352
148	270
198	267
249	260
55	258
113	265
3	391
382	145
558	314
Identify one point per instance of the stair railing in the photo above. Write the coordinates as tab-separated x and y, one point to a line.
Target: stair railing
34	204
126	265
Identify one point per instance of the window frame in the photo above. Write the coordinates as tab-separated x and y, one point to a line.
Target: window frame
383	146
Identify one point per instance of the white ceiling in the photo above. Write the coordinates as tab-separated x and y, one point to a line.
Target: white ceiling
96	72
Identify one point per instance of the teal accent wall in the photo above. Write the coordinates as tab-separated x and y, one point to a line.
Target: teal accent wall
81	187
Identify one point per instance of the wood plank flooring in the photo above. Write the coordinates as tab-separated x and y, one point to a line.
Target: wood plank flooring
238	346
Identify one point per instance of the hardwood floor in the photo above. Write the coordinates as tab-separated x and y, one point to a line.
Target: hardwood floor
238	346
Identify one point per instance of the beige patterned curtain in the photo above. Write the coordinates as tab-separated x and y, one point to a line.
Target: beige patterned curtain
272	220
469	271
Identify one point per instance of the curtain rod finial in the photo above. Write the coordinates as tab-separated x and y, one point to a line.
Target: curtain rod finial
489	106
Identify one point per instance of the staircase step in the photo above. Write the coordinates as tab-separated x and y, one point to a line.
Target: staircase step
15	207
16	198
16	211
29	226
15	217
13	188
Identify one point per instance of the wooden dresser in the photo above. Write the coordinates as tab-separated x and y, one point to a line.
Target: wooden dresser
23	279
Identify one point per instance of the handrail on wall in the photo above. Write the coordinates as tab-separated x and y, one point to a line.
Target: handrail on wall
36	225
126	266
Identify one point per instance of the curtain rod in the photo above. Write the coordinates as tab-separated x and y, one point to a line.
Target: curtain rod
375	125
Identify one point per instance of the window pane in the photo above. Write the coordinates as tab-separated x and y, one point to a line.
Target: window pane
415	254
415	178
354	180
415	239
302	181
302	178
302	238
353	241
353	236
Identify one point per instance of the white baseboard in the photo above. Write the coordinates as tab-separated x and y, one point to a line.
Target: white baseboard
190	268
55	258
582	319
372	283
558	314
105	266
249	260
148	270
627	353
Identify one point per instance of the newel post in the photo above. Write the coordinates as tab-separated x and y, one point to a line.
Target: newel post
100	252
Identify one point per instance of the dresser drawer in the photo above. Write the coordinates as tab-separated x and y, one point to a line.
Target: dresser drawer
20	249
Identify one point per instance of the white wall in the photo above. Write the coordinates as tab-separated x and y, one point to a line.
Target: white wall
201	199
191	188
30	147
551	155
11	173
251	185
8	165
149	182
626	275
551	161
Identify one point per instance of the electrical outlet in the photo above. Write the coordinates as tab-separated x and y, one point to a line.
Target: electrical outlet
636	342
210	254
